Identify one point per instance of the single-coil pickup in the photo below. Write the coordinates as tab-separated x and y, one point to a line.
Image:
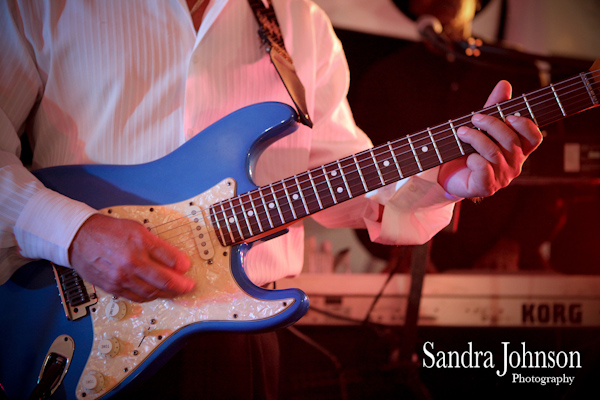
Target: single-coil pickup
200	233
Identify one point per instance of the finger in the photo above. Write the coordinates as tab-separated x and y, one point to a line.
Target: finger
500	132
170	256
529	134
121	290
482	177
144	290
169	282
483	144
501	92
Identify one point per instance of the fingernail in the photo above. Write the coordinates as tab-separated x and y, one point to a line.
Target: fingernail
511	118
462	130
478	117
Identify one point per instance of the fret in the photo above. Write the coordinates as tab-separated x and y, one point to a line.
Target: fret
395	160
362	178
261	210
337	185
249	214
255	213
344	178
377	167
315	192
368	165
456	137
385	159
289	201
294	197
500	112
283	202
324	188
446	143
427	149
437	151
232	233
235	218
465	121
242	211
329	185
473	126
302	198
352	176
412	148
513	107
530	110
545	106
273	207
575	96
423	148
562	110
217	223
405	158
589	89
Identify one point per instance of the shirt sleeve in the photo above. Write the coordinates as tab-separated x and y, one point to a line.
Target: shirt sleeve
414	209
35	222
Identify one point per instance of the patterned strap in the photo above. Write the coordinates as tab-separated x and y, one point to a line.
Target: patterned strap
270	34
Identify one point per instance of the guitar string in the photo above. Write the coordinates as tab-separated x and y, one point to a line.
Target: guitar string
507	108
540	113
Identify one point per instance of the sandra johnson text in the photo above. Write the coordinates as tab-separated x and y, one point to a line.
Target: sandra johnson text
517	358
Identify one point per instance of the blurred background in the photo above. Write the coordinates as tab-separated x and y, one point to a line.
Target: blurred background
521	266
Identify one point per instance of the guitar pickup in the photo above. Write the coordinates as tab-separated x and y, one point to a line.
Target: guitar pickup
76	295
200	233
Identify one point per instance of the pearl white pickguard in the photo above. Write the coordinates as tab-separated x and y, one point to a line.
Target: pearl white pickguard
144	326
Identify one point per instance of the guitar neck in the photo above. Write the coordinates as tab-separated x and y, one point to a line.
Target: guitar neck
271	207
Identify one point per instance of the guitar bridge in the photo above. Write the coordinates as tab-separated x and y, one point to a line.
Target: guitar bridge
76	295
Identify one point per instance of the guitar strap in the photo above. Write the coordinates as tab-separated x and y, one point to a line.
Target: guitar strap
270	34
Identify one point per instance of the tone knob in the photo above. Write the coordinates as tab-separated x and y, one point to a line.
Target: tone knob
116	309
93	382
109	347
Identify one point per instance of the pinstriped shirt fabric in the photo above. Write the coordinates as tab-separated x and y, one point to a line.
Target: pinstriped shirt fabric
125	82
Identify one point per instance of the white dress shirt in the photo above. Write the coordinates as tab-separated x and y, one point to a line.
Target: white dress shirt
125	82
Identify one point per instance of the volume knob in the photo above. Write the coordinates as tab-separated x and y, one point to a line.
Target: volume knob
109	347
93	382
116	310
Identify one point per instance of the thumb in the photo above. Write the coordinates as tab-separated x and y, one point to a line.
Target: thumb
502	92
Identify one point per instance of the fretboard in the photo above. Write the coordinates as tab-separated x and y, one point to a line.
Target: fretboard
271	207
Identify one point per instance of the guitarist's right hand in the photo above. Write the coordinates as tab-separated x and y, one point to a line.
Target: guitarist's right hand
123	258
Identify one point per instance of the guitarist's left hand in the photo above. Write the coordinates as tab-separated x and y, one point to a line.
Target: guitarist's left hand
497	163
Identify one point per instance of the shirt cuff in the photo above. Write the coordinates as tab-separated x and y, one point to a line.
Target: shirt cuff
47	225
415	209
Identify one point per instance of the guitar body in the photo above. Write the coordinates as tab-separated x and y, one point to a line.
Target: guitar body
117	343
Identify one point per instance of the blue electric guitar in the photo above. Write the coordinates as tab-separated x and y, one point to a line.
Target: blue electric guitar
65	338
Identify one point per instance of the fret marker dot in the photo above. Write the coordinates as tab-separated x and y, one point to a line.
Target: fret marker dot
250	213
231	220
517	114
295	197
333	173
424	149
339	190
271	206
386	163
